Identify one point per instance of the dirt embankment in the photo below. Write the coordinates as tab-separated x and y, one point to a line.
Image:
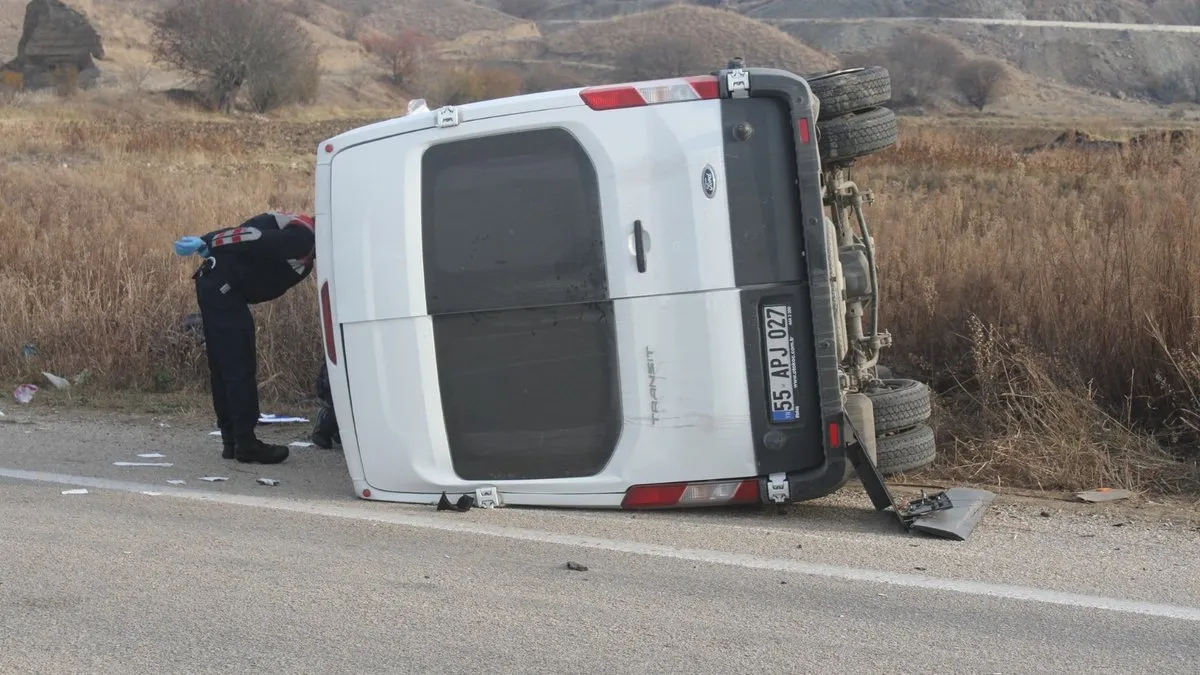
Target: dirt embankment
1117	63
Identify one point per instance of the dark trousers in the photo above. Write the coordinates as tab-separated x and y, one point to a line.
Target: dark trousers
232	362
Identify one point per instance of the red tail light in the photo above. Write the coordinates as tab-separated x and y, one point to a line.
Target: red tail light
639	94
805	132
327	320
835	435
665	495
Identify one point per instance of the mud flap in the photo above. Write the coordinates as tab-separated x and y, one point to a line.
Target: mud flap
952	514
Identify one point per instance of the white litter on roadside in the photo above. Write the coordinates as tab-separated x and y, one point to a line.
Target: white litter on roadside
214	433
177	482
267	481
80	491
152	455
142	464
152	494
58	382
274	419
25	392
300	444
214	479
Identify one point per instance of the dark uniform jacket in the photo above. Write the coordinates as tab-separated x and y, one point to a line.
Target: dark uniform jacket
266	255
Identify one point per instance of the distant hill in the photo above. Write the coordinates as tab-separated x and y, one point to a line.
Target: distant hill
545	40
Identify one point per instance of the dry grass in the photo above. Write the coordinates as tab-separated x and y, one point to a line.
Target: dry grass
1051	299
89	275
722	34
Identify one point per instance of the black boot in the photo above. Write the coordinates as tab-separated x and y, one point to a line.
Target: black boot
227	451
325	431
249	449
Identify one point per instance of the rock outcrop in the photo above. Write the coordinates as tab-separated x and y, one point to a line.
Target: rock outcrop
57	48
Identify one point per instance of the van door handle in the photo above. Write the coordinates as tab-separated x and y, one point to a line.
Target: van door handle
639	247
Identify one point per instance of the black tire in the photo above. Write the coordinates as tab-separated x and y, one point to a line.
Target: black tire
906	451
845	139
842	92
900	405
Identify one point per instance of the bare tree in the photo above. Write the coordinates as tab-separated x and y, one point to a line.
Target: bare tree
664	56
922	65
402	53
226	44
981	81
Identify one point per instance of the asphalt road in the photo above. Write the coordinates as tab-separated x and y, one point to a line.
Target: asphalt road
238	577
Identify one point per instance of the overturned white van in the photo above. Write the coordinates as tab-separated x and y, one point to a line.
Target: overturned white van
618	296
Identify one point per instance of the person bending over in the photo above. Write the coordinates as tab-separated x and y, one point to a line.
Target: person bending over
257	261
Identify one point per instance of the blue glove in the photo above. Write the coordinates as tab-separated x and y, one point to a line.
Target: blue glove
186	246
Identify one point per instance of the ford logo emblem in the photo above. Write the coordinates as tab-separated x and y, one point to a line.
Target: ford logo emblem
708	181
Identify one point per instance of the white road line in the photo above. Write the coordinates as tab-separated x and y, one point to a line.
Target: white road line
354	511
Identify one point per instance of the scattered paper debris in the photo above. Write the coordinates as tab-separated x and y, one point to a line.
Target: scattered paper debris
58	382
80	491
151	455
300	444
142	464
214	479
25	392
576	567
1103	495
177	482
267	418
267	481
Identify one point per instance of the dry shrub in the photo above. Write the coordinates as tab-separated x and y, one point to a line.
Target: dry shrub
1025	420
1084	269
402	53
922	65
456	84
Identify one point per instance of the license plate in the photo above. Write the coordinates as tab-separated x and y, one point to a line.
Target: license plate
780	362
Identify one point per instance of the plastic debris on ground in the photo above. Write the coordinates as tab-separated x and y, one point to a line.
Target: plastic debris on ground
300	444
151	455
152	494
267	481
276	419
214	433
1103	495
25	392
142	464
177	482
58	382
79	491
214	479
